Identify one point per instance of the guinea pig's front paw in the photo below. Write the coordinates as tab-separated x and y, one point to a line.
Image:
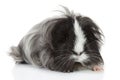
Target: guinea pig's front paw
97	68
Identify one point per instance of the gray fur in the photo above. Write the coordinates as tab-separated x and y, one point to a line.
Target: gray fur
15	53
35	47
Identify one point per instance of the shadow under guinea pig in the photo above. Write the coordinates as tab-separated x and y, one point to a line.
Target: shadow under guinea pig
28	72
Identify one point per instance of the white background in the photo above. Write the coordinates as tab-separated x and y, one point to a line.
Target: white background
18	16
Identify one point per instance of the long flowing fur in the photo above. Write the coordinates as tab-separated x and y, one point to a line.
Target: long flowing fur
39	48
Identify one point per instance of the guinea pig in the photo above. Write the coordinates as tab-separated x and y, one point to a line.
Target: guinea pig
65	43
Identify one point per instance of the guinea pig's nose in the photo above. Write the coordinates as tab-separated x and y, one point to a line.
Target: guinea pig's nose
77	53
79	57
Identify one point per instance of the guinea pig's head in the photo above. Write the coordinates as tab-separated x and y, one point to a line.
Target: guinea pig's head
76	43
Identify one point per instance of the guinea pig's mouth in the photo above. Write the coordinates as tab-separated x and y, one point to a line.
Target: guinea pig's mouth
77	65
64	64
70	66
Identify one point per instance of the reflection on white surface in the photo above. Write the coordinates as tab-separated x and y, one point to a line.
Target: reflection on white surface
28	72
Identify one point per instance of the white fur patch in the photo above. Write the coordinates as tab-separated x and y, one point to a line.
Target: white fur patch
80	38
80	58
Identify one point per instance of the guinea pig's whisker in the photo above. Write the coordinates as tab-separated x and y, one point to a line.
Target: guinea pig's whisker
97	57
61	63
58	59
69	65
94	59
95	54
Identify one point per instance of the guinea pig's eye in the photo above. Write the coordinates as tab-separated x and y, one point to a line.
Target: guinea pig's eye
90	51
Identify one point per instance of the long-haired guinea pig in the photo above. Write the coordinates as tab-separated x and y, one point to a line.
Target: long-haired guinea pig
66	43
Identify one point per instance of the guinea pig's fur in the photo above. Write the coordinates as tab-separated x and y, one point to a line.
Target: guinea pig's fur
66	43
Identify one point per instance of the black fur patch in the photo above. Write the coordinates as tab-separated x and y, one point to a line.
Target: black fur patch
63	38
63	35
